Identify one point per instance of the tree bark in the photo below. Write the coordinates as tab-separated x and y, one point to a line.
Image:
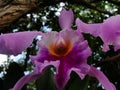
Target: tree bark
11	10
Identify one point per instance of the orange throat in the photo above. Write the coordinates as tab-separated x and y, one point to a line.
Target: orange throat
60	47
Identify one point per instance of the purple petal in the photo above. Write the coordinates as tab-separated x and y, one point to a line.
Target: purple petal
102	78
62	75
85	54
15	43
38	70
81	70
117	42
110	32
72	35
93	29
40	67
47	38
105	47
79	54
66	19
24	80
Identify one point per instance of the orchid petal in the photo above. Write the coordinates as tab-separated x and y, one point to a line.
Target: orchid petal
47	38
40	67
25	79
79	54
109	32
62	75
81	70
15	43
93	29
102	78
85	54
38	70
66	19
72	35
105	48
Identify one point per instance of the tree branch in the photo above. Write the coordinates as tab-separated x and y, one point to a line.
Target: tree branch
110	59
4	2
13	11
114	2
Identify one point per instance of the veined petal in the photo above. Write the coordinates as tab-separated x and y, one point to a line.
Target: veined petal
15	43
62	75
79	54
64	71
93	29
40	67
110	32
66	19
47	38
72	35
81	70
25	79
102	78
105	47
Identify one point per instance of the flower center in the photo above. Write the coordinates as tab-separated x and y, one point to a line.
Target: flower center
60	47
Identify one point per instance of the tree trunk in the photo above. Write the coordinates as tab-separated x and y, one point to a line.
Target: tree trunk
11	10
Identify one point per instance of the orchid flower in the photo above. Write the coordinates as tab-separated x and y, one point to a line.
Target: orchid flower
66	50
108	31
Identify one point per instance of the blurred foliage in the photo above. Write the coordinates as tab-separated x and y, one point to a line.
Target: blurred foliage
47	19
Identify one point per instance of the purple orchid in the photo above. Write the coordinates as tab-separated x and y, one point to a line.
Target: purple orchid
108	31
65	50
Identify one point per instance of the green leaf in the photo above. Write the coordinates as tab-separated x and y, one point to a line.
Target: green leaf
46	81
75	83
